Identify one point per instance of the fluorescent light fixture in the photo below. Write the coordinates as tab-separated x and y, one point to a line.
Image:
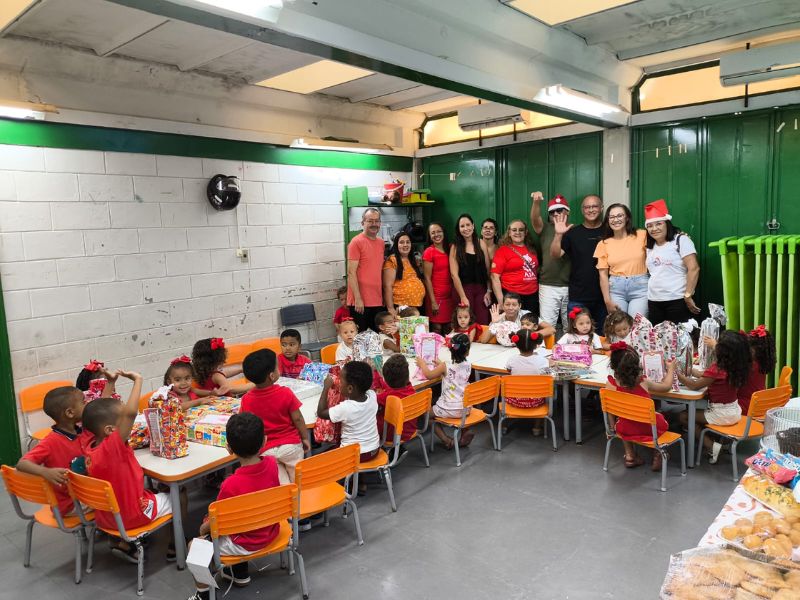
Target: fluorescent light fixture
25	110
11	10
553	13
253	11
340	144
314	77
559	96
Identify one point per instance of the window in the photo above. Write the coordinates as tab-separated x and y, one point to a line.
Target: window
444	129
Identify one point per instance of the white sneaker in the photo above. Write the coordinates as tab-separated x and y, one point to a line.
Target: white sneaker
713	456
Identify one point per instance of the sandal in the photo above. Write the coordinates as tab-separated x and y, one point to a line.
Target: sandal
130	554
449	444
658	460
465	439
634	461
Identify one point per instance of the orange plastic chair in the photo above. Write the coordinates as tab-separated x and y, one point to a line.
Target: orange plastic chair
272	343
98	494
786	376
38	490
526	386
549	342
328	354
31	400
144	400
642	410
398	412
317	478
237	352
478	392
275	506
749	426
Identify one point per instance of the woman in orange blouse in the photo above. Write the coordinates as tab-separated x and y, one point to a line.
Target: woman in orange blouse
621	256
402	280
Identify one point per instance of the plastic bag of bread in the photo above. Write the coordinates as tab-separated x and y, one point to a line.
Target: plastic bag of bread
719	573
771	494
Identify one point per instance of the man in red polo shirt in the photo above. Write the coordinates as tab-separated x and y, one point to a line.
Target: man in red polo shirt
364	277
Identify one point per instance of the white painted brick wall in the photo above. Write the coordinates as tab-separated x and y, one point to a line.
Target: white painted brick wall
119	256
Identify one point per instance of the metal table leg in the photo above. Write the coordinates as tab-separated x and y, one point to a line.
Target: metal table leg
565	403
578	416
177	525
692	408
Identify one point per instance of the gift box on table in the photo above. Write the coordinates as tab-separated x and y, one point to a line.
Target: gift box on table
315	372
573	354
165	424
210	430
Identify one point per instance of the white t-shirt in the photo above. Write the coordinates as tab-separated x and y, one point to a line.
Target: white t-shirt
574	338
504	329
386	351
343	352
667	271
453	383
359	424
535	364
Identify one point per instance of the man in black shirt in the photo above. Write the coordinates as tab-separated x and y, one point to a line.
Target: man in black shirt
578	242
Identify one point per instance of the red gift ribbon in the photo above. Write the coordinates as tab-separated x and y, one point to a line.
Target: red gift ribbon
182	359
93	366
217	343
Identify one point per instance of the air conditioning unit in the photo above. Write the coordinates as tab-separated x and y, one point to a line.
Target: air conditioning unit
760	64
488	114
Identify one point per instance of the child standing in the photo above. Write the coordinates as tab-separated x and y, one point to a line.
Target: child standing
581	330
208	363
723	379
95	369
245	437
616	328
628	377
455	377
342	312
384	321
347	331
51	457
279	410
464	322
398	383
179	376
290	361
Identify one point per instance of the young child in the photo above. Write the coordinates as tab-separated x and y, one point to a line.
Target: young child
245	437
627	377
455	377
398	383
581	330
409	311
723	379
179	376
616	328
95	369
290	361
279	410
342	312
387	328
210	373
762	349
527	362
110	458
464	322
51	457
347	331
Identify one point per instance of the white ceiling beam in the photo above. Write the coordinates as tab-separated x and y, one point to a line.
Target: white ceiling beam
134	32
31	8
443	95
386	91
213	53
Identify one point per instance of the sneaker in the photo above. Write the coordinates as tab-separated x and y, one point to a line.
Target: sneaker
200	595
239	574
131	554
537	431
304	525
713	456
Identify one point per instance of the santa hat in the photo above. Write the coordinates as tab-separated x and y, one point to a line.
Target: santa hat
656	211
556	203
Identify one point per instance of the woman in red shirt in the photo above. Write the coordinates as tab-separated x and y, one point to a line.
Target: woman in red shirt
515	267
436	270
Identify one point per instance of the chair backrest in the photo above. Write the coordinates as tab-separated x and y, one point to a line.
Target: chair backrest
237	352
416	405
144	400
763	400
298	313
549	342
786	376
630	406
273	343
393	415
30	488
328	354
327	467
526	386
249	512
31	398
94	493
481	391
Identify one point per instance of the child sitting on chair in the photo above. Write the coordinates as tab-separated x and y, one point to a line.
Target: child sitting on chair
387	327
290	361
210	373
395	374
347	331
245	437
51	457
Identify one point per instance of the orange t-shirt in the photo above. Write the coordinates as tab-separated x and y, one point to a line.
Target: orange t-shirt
409	290
369	254
625	257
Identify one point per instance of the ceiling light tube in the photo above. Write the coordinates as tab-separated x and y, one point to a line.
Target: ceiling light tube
339	145
25	110
559	96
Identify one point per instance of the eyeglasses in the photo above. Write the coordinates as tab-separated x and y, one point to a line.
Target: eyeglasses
616	217
559	210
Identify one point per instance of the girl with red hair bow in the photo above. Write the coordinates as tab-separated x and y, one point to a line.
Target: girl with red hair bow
210	373
179	376
96	369
581	330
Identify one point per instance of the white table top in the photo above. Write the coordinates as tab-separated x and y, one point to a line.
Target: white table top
199	459
308	394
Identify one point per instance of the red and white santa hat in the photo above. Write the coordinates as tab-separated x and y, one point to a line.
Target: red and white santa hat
656	211
557	203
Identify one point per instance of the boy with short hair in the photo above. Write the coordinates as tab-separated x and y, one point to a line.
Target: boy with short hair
290	361
51	457
387	327
279	410
245	437
396	376
342	313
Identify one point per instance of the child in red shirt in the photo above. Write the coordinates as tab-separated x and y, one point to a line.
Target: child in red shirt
179	376
342	313
290	361
279	410
210	373
51	457
395	374
245	437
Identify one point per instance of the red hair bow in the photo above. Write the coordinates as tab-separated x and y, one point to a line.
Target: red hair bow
217	343
462	305
515	338
619	346
182	359
534	336
575	312
759	331
94	366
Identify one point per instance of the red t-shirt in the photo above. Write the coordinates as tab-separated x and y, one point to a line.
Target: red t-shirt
635	431
274	405
246	480
477	328
369	254
440	275
341	314
719	391
518	268
290	368
114	461
756	381
56	451
409	427
209	384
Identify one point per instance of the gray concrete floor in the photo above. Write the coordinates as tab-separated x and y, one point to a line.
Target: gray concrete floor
524	523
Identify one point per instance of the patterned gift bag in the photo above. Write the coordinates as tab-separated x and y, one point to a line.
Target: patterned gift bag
165	424
315	372
407	327
325	430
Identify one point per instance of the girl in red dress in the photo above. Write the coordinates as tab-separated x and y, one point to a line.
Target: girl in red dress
628	377
438	283
464	322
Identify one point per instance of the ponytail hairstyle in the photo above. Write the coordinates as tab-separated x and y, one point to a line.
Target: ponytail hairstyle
573	316
208	355
459	347
626	365
526	340
734	356
762	346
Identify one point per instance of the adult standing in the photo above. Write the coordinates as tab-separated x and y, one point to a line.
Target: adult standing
621	265
672	263
578	242
438	283
402	279
489	237
469	268
515	267
364	263
553	272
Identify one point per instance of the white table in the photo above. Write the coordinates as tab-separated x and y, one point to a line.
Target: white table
485	358
308	394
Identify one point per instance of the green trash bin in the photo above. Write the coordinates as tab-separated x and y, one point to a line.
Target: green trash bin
730	278
747	280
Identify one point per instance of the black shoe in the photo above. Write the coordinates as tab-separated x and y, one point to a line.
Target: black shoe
238	573
131	554
200	595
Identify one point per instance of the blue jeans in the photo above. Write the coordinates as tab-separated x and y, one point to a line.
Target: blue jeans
597	309
629	293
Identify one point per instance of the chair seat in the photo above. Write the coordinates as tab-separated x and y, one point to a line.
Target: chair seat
319	499
44	516
737	430
665	439
381	460
515	412
139	531
41	434
475	416
279	544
